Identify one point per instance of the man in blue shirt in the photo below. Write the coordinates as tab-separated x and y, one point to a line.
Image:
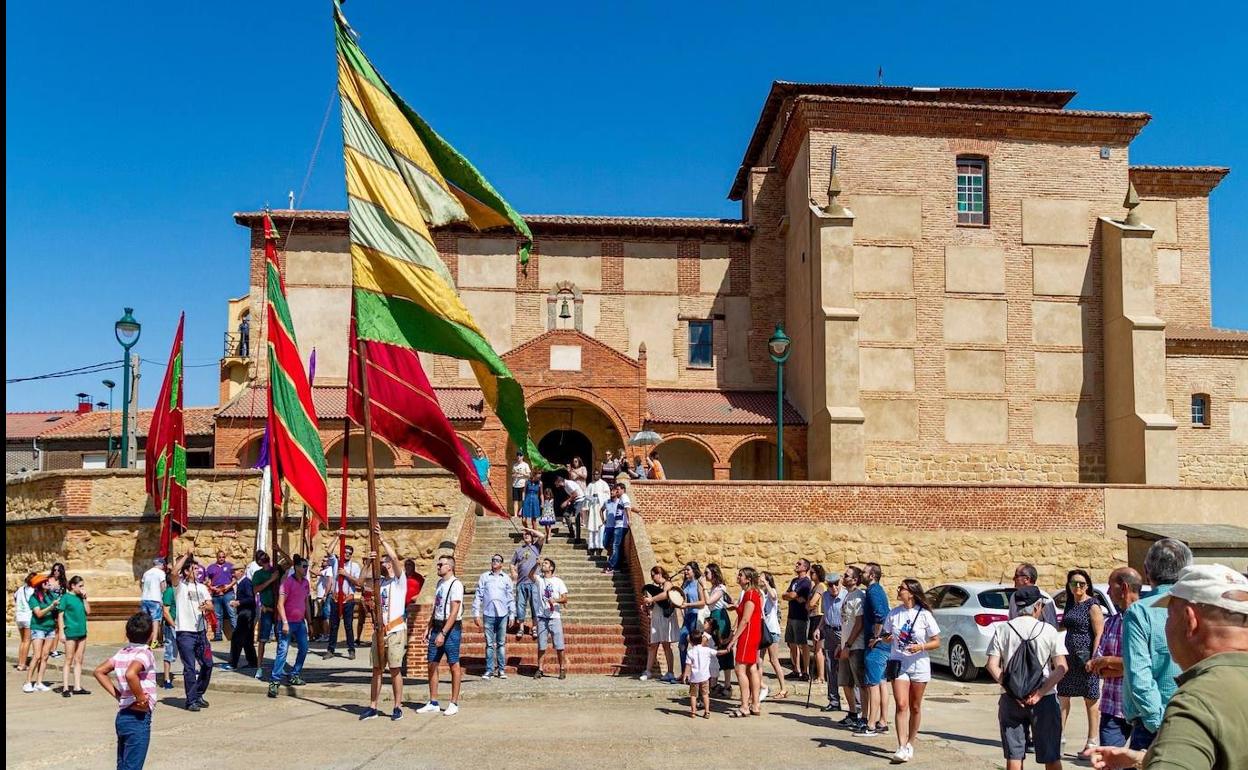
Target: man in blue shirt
1149	668
874	611
482	464
829	635
496	600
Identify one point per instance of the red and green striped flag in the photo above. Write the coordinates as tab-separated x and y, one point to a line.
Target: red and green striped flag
295	451
402	179
165	453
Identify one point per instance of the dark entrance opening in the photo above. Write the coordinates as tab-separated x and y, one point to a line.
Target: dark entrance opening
559	447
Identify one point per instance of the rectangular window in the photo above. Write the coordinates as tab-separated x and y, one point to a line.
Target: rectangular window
972	191
1200	410
701	349
94	460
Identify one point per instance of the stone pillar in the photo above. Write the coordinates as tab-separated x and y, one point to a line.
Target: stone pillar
1140	435
722	471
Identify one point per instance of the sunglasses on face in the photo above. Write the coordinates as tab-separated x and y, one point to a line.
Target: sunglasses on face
1077	584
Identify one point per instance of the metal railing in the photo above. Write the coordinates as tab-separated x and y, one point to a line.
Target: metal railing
236	346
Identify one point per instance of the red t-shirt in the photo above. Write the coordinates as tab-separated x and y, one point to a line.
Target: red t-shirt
414	584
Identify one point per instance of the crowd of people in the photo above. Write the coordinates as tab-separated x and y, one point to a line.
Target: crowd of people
1163	679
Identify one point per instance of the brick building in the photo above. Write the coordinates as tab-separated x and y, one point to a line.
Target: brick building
970	298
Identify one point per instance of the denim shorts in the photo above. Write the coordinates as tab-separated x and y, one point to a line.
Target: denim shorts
152	609
267	624
550	629
876	662
171	644
450	644
36	633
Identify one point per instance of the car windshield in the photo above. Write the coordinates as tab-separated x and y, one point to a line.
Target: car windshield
996	599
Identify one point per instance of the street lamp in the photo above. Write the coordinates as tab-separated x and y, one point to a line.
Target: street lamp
778	346
108	456
127	330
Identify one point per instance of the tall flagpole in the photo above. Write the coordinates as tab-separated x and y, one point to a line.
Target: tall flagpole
373	540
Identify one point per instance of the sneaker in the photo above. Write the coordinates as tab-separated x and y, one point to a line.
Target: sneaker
668	678
327	655
451	710
865	732
831	707
192	707
429	708
881	728
272	689
203	704
66	692
350	654
369	714
901	755
56	654
850	720
762	695
155	645
909	751
487	675
501	675
645	677
41	687
260	673
168	684
396	715
226	667
297	681
28	687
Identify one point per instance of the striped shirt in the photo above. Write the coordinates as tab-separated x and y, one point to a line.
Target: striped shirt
121	662
1111	686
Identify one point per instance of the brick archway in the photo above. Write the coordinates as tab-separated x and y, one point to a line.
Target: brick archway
572	412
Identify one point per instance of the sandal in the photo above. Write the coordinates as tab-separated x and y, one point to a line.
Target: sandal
539	674
782	695
737	713
1088	748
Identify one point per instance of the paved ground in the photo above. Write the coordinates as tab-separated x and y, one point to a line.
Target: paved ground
587	722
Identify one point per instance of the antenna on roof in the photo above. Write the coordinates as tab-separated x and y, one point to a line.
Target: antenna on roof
879	76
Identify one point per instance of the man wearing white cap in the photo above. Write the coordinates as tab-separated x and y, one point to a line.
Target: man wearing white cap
1206	722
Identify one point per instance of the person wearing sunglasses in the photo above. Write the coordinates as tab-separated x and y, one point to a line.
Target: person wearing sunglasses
1026	575
1084	623
495	599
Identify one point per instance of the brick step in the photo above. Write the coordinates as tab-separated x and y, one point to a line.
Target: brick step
575	649
527	668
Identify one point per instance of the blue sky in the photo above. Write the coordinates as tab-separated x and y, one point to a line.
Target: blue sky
135	130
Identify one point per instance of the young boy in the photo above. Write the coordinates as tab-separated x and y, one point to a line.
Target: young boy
169	614
135	691
700	668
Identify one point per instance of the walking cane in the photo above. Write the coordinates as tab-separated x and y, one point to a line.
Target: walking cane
810	683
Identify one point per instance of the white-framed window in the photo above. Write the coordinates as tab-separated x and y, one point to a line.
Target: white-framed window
972	191
94	460
1200	409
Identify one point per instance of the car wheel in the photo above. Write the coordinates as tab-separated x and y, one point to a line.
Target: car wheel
960	664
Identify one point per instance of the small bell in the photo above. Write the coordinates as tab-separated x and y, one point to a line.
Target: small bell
564	311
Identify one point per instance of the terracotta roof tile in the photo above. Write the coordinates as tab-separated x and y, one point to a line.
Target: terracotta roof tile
719	407
1205	334
460	404
198	421
33	424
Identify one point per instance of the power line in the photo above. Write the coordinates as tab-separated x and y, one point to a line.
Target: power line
81	370
184	366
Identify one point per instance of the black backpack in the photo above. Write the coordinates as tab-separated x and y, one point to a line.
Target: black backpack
1024	672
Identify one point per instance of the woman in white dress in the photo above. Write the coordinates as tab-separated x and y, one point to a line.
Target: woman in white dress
770	643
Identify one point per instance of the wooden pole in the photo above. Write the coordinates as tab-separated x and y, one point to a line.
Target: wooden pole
373	539
342	517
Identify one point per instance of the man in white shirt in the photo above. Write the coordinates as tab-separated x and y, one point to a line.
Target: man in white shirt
153	582
495	598
851	672
1038	709
446	629
192	600
394	613
348	579
575	507
619	508
520	472
1026	575
551	598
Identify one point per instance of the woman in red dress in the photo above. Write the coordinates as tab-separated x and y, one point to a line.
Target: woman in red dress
746	638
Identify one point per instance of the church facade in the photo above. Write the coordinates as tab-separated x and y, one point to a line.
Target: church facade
978	286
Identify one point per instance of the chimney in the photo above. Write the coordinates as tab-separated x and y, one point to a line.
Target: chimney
84	403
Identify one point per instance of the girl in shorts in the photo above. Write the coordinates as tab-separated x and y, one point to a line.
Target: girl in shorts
913	631
74	611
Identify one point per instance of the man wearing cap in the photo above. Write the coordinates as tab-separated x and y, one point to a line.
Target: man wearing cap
1040	709
292	615
495	598
153	582
1150	669
1206	722
520	472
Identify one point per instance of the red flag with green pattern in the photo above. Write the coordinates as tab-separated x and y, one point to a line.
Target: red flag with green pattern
165	452
295	451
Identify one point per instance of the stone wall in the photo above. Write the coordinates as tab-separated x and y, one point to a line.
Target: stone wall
1215	454
96	523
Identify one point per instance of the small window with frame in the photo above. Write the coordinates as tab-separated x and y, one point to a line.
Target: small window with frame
701	344
1200	410
972	191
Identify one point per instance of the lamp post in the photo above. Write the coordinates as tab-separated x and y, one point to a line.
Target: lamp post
108	456
778	346
127	330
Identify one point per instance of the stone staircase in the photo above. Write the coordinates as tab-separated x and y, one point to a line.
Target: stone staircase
601	623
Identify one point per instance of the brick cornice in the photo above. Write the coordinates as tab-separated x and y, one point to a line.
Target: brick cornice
970	121
1177	181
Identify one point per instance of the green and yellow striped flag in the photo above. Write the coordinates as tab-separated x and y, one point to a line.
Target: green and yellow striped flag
402	179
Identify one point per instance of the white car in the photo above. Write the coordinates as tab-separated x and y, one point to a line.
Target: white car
966	614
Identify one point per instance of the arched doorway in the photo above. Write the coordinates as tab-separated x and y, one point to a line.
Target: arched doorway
686	459
756	461
383	456
560	446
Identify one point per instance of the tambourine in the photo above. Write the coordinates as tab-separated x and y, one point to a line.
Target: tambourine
676	597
